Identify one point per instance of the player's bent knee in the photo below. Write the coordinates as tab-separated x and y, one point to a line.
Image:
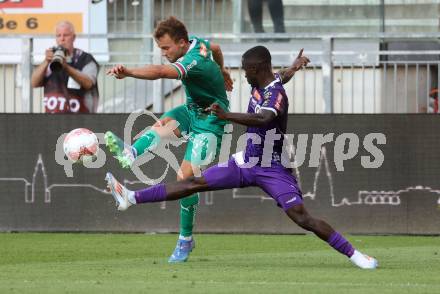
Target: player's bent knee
166	126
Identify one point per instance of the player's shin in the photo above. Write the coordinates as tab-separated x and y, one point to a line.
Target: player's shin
188	207
147	141
339	243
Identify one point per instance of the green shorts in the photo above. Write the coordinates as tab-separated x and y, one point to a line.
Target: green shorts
203	130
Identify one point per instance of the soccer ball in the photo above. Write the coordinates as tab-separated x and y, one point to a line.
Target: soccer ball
81	145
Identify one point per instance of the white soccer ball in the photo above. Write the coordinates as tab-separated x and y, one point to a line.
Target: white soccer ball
81	145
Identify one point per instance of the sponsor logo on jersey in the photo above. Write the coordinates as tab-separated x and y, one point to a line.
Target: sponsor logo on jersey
191	65
203	50
267	94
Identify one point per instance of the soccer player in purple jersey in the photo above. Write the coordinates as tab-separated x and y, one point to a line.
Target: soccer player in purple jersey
266	116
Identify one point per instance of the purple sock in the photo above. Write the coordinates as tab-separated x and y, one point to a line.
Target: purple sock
338	242
156	193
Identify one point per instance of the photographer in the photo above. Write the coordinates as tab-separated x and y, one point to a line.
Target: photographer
68	76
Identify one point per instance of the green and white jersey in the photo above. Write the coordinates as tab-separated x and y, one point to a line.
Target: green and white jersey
201	76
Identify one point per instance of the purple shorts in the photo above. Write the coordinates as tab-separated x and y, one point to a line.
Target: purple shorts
278	182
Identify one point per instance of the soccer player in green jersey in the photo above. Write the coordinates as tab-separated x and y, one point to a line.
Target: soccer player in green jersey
199	65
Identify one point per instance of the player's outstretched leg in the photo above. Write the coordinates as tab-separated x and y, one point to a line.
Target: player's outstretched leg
157	193
323	230
126	154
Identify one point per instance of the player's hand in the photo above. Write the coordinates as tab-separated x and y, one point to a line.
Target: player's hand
300	61
228	80
49	55
217	110
119	71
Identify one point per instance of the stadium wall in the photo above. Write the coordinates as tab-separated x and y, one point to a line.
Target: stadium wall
403	89
399	197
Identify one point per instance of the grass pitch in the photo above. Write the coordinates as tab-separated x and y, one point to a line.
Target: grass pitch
136	263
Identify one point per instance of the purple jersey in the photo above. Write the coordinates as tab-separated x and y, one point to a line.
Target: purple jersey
272	98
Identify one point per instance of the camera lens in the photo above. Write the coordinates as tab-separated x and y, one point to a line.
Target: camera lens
55	65
57	60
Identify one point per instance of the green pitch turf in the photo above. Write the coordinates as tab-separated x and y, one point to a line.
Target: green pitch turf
137	263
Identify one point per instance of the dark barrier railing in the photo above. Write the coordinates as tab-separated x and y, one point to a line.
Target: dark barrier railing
400	196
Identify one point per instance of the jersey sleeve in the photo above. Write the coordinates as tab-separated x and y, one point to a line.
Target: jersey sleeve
187	67
181	69
274	100
278	76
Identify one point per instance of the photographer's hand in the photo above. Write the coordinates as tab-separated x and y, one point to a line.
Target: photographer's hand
49	55
39	73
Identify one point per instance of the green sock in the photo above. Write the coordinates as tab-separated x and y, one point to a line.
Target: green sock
147	141
188	207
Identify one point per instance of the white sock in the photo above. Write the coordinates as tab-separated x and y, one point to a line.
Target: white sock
185	238
131	197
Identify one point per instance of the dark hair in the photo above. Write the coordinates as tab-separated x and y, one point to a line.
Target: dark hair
173	27
258	55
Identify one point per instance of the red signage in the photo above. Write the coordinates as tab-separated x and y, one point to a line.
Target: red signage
21	4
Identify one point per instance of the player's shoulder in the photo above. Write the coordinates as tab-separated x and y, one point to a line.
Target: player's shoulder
275	86
278	83
199	41
198	49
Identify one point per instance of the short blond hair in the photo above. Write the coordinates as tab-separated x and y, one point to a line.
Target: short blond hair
67	24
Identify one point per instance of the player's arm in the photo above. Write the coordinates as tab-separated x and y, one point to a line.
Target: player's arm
217	55
148	72
218	58
248	119
287	73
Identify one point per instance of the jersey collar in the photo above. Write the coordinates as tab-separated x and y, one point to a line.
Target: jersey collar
276	80
193	44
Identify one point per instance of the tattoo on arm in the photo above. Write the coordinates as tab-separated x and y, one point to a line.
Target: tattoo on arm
286	74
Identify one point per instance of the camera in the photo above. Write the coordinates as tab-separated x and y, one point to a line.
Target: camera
59	53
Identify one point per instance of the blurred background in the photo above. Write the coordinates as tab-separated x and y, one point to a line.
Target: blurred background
368	56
